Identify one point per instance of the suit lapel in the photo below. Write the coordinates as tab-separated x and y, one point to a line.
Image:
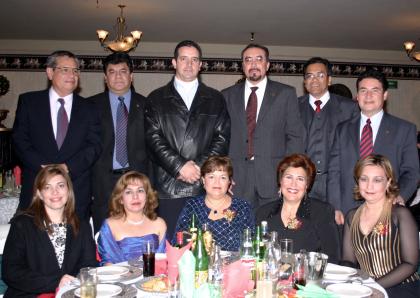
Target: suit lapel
354	132
45	116
269	98
384	135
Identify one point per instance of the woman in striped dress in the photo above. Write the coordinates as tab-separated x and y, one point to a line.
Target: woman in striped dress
380	236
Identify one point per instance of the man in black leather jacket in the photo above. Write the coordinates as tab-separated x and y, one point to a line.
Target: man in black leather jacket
186	122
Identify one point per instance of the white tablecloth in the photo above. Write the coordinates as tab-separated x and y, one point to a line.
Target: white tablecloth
140	294
8	206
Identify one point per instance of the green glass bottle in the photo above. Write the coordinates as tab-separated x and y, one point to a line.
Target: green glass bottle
201	261
193	230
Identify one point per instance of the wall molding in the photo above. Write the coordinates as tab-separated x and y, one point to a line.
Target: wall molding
36	63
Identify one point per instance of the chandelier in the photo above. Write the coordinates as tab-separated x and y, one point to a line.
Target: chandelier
121	43
409	49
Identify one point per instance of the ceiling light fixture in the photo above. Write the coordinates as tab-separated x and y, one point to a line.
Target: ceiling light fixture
121	43
409	49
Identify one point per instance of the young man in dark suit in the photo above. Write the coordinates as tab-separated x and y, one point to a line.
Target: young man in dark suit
122	137
57	126
373	131
321	112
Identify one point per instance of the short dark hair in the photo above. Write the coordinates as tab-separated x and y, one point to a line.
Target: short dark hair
52	58
215	163
297	161
117	58
188	43
256	45
321	60
373	74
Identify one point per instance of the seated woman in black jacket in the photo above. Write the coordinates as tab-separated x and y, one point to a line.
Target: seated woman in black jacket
47	245
309	222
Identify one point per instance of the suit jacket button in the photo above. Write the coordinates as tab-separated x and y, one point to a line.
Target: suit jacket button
246	158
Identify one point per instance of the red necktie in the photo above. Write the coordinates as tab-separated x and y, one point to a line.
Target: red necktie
366	141
318	104
251	119
62	124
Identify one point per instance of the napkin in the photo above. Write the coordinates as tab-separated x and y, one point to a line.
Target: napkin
173	255
186	267
236	280
314	291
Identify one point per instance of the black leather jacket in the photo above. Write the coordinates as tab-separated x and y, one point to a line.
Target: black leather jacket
175	135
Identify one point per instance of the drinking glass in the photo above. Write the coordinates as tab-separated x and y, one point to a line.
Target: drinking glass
148	258
286	263
88	281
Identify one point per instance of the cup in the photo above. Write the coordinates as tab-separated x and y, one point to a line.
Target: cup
88	281
316	265
148	258
286	246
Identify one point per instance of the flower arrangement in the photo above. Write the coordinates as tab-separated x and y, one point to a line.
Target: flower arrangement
229	214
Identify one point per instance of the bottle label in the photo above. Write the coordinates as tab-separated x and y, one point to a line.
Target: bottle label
201	277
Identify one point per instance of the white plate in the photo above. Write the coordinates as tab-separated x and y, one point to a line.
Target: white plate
225	253
107	273
336	272
103	290
349	290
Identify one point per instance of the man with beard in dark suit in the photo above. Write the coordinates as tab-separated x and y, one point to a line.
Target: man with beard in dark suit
122	134
265	127
57	126
321	112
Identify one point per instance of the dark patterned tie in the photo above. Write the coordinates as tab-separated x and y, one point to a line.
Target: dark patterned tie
318	104
121	133
62	123
251	119
366	141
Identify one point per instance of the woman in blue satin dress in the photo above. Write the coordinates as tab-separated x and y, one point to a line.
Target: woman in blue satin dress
132	221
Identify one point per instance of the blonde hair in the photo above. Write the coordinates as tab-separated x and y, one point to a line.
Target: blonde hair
116	208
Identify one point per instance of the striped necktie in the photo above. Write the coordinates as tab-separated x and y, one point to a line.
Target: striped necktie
121	133
366	141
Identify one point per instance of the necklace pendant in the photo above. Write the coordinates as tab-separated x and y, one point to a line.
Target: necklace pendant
215	211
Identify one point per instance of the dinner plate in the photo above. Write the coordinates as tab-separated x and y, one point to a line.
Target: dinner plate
107	273
103	290
336	272
349	290
147	284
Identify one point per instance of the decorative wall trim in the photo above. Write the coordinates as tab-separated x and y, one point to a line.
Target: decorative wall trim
12	62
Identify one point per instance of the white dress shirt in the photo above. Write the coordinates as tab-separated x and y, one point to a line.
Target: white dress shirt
324	99
187	90
260	93
55	106
375	122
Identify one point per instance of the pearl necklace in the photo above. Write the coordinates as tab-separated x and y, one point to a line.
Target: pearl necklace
135	223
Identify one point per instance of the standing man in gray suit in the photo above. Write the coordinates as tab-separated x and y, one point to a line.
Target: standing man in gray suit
265	126
321	112
122	132
373	131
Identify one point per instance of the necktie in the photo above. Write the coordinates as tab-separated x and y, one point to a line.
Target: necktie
366	141
62	123
318	104
121	133
251	119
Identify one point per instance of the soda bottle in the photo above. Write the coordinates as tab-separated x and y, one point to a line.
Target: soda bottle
201	261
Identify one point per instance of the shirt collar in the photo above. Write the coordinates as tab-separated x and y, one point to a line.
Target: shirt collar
261	85
324	98
185	85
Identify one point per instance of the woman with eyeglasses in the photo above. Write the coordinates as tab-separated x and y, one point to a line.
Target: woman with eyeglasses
47	245
379	236
307	221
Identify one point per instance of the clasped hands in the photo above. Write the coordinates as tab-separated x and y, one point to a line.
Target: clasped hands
190	172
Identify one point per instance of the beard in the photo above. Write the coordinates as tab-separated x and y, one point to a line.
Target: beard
255	77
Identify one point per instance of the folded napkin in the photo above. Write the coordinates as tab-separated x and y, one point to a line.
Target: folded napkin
314	291
173	255
186	267
236	280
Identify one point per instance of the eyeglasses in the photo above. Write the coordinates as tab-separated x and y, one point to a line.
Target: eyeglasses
374	91
318	75
68	70
258	59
